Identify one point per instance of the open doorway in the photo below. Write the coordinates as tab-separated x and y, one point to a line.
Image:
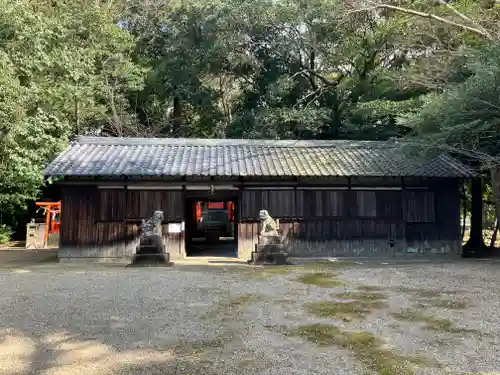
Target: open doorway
211	227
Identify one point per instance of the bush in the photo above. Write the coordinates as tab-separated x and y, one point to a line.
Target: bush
5	234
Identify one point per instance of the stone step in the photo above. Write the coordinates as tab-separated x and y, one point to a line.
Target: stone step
151	259
279	258
150	249
270	248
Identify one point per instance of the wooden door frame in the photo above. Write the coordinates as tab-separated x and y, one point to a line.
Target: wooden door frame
221	195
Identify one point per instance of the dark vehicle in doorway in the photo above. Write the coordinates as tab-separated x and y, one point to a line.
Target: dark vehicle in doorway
214	224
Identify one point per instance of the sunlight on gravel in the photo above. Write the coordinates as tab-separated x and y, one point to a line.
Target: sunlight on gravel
369	318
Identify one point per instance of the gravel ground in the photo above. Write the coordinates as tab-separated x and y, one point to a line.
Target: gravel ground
64	320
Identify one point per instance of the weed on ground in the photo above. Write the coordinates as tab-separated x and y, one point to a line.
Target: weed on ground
201	346
325	265
364	345
371	288
431	322
426	293
362	296
358	305
444	304
345	311
233	308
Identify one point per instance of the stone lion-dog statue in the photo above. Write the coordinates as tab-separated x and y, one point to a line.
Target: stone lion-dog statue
269	230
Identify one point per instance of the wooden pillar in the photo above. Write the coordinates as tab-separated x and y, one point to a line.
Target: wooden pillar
403	213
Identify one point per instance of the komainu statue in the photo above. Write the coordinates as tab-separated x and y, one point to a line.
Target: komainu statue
152	226
151	248
269	231
271	248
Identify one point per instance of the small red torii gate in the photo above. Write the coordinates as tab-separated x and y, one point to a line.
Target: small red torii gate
52	217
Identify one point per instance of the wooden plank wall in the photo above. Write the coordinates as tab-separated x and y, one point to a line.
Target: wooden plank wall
97	217
100	217
325	215
445	213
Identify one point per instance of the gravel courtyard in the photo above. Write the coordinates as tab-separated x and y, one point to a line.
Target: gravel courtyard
328	318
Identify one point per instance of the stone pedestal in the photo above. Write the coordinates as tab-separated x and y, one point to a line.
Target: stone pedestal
151	251
35	236
272	254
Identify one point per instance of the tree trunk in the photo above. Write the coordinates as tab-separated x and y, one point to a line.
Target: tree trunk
77	117
495	187
464	213
115	120
494	237
475	246
177	117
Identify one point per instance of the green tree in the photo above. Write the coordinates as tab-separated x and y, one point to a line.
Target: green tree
74	59
315	66
66	69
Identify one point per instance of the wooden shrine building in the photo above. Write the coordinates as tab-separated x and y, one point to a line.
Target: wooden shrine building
332	198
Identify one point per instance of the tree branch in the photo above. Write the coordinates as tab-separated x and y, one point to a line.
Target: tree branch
475	30
464	17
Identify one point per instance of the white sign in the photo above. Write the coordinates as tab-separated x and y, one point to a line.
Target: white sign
174	228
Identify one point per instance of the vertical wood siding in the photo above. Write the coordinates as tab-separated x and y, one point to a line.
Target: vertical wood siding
419	206
110	218
92	216
332	215
141	204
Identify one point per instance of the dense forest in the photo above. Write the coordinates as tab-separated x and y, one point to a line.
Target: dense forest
425	70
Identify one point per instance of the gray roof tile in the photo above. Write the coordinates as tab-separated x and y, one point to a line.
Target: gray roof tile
101	156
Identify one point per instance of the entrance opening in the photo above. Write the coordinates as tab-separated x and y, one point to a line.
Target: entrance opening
211	228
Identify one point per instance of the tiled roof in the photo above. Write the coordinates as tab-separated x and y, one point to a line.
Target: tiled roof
101	156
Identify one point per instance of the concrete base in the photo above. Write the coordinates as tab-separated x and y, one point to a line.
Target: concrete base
157	259
27	256
98	260
374	248
270	248
278	259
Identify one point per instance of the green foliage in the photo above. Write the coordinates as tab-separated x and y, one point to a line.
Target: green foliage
28	147
65	69
464	117
5	233
257	69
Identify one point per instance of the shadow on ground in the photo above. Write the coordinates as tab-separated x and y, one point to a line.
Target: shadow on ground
58	320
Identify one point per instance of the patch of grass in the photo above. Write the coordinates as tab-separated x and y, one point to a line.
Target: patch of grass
232	308
263	272
345	311
370	288
339	263
431	322
444	303
426	293
280	270
325	265
362	296
321	279
362	304
319	266
364	345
